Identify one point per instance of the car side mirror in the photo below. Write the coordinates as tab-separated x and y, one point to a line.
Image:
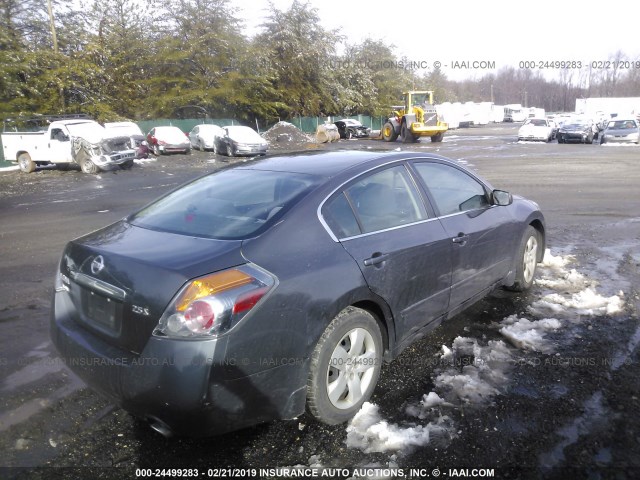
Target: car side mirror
502	198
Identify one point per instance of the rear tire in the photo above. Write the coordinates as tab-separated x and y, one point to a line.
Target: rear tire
230	151
406	135
526	260
345	366
25	163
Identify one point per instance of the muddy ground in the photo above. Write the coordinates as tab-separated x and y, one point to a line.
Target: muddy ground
569	409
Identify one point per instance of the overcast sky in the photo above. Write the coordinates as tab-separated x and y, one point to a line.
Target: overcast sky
504	32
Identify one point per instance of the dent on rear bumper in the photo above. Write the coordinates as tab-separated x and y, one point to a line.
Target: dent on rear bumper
188	385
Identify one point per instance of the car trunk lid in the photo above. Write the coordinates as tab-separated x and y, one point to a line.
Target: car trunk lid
122	278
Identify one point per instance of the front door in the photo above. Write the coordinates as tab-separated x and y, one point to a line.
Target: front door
478	230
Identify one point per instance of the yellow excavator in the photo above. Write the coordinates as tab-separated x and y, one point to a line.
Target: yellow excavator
416	118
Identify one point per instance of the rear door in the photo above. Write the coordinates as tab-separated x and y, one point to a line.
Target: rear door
403	252
479	232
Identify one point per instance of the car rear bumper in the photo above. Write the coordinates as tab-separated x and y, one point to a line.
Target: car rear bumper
192	387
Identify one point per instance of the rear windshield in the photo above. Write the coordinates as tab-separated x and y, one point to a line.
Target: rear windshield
232	204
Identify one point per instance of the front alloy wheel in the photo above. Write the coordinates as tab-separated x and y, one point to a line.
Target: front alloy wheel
345	366
528	255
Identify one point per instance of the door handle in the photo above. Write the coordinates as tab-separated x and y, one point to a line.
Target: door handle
461	239
376	259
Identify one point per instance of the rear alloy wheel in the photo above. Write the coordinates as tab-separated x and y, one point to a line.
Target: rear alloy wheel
88	166
389	133
25	163
527	260
231	152
345	366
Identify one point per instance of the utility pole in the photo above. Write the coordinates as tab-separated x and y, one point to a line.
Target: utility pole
53	27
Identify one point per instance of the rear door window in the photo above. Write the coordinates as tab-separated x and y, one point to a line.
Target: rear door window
378	201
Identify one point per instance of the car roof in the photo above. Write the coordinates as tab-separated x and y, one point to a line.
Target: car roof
329	164
73	122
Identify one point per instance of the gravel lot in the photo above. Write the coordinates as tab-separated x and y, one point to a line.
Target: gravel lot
548	399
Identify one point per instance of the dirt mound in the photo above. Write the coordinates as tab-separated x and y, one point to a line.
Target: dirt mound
285	135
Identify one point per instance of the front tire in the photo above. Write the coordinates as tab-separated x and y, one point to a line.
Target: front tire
156	150
231	152
437	137
389	133
345	366
89	167
527	260
25	163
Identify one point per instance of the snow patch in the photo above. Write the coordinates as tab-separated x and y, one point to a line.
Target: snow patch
367	431
529	335
585	302
575	293
476	373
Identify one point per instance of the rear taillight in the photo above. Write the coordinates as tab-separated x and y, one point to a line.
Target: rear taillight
211	305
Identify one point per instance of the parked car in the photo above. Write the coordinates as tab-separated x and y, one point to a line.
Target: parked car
282	284
622	131
536	129
349	128
239	140
577	130
138	141
64	141
203	137
168	139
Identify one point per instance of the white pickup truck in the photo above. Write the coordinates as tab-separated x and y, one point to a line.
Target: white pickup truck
65	141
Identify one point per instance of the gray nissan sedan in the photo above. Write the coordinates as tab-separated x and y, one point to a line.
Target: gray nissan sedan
258	292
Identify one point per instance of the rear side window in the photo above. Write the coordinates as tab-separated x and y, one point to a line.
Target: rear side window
453	190
340	218
232	204
378	201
